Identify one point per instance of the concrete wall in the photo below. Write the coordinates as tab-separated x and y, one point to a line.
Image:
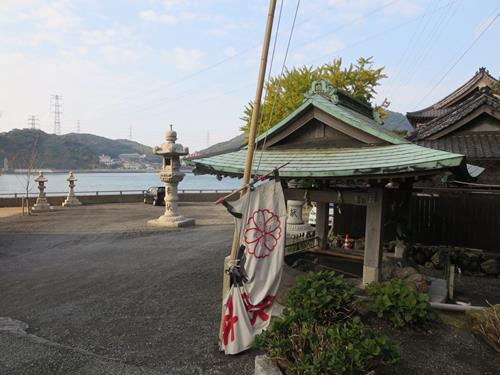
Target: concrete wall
125	198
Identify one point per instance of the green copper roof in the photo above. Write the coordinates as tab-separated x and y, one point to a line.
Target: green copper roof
333	102
334	162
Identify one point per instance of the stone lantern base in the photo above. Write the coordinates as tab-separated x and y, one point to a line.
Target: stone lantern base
41	205
71	201
172	222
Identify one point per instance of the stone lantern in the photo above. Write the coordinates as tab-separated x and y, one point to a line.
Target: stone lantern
41	204
71	199
171	176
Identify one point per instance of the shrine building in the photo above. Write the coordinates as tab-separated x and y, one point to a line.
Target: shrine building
338	152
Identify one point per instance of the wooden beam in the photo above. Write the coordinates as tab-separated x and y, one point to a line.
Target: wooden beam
374	235
322	224
334	196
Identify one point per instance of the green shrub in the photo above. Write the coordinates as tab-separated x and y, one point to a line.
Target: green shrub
318	333
399	302
321	296
306	347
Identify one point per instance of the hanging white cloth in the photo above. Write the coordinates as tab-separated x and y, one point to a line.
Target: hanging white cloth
262	232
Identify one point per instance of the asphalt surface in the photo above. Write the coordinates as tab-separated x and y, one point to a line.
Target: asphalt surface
93	290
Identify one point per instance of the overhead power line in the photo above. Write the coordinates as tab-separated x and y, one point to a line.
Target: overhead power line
462	55
277	93
163	86
173	101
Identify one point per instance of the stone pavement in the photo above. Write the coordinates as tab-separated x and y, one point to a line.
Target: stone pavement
93	290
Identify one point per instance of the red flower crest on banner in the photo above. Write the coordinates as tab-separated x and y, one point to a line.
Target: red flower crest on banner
262	232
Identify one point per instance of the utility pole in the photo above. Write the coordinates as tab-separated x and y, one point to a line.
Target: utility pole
33	122
78	126
56	104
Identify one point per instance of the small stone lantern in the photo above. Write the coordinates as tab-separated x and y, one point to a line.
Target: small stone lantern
41	204
171	176
71	199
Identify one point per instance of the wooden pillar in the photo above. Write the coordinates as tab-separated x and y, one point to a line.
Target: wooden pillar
373	235
322	224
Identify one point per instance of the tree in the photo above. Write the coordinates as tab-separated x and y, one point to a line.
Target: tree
495	87
287	90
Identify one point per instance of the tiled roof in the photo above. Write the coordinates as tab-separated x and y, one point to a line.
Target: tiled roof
334	162
339	110
483	97
479	145
440	108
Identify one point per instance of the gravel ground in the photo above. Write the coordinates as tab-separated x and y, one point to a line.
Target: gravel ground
441	349
103	293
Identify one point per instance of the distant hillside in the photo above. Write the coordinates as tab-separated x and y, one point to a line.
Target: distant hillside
68	151
397	122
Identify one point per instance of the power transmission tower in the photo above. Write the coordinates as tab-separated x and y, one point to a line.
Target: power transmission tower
33	122
208	138
130	133
78	126
56	104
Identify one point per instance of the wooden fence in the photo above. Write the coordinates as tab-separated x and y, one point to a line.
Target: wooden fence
466	220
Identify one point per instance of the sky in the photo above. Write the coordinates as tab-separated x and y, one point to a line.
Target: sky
129	68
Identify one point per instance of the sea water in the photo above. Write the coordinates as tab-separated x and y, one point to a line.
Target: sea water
92	182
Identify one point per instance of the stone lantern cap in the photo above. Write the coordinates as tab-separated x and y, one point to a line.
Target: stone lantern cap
71	177
170	148
41	178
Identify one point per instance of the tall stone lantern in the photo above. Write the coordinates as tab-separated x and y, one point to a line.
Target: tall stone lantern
41	204
171	176
71	199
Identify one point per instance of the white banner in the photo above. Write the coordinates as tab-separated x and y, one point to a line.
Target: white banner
262	232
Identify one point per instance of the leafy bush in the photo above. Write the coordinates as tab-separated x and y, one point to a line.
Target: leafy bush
323	297
400	303
306	347
487	325
318	333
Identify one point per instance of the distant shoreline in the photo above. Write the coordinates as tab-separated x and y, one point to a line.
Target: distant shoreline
48	171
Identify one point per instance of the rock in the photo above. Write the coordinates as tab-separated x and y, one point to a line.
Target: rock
388	267
439	259
490	267
266	366
469	261
488	256
359	244
403	273
391	245
419	257
418	281
435	259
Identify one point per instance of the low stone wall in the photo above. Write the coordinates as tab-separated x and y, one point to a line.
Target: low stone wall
117	198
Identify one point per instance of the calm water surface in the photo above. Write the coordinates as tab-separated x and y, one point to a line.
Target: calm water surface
16	183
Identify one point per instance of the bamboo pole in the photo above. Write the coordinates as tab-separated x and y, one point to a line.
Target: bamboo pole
251	138
256	107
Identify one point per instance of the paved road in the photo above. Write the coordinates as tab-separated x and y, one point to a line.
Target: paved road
104	294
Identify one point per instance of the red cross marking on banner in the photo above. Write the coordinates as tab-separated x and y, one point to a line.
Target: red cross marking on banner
229	322
258	310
